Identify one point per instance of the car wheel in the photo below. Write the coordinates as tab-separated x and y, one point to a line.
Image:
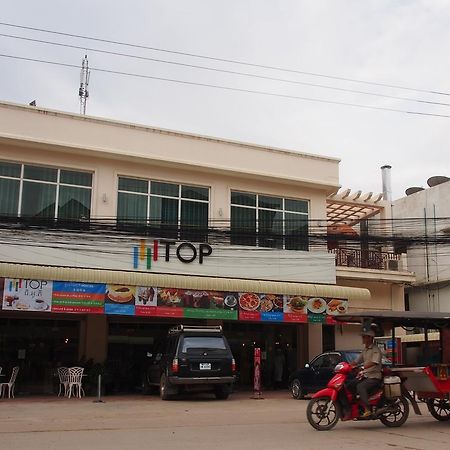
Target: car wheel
166	391
222	392
297	389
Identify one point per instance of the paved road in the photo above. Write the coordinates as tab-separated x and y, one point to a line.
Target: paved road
200	422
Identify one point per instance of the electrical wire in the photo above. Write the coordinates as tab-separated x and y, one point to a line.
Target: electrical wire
232	72
262	66
228	88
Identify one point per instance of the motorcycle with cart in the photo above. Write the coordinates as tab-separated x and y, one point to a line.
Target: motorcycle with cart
402	384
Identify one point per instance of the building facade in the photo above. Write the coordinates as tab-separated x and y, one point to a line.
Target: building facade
113	232
425	212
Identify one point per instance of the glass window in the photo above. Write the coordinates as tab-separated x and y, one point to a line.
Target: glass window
243	226
74	203
167	189
176	211
40	173
196	193
131	209
194	221
9	170
270	230
202	343
77	178
242	198
163	211
296	206
133	185
9	197
296	231
269	221
39	188
38	200
270	202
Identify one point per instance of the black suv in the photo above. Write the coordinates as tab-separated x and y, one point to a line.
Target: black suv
193	359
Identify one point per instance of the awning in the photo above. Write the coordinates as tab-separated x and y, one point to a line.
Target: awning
29	271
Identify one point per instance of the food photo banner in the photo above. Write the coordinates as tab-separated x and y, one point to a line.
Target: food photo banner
95	298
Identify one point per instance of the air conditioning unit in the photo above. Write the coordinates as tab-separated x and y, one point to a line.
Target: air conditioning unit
393	264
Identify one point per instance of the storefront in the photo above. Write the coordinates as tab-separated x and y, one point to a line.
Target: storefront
116	325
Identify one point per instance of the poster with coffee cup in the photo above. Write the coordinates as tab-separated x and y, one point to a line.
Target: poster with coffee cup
27	295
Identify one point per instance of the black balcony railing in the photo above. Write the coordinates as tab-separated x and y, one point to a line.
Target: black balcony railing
366	259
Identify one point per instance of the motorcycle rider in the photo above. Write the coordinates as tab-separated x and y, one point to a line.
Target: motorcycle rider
371	374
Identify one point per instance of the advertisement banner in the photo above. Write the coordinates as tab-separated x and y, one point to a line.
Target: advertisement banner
96	298
71	297
120	299
27	295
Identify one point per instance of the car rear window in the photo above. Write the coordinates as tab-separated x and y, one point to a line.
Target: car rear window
192	343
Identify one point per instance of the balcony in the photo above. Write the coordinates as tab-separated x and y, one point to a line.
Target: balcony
366	259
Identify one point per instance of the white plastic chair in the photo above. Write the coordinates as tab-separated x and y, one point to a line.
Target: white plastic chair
74	381
10	384
63	374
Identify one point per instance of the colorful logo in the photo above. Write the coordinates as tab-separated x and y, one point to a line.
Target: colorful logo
145	255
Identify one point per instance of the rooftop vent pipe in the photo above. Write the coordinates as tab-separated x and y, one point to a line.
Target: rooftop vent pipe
386	181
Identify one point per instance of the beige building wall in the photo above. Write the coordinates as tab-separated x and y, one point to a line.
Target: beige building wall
107	171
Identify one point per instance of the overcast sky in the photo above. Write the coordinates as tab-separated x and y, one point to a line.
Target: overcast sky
403	42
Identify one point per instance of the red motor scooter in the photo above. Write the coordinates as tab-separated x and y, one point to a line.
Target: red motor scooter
388	403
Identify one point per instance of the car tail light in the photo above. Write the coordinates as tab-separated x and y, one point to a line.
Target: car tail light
233	365
175	366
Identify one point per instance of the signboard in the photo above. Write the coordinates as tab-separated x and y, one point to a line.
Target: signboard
27	295
69	297
149	301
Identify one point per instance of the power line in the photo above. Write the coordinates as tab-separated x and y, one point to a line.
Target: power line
261	66
213	69
228	88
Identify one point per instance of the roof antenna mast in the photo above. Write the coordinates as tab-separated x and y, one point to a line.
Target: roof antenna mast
83	92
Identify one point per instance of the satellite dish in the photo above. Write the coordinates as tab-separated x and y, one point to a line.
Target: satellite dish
413	190
438	179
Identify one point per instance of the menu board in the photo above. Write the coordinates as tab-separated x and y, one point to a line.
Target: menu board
172	302
73	297
70	297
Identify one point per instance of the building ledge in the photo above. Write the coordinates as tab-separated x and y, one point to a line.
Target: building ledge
356	273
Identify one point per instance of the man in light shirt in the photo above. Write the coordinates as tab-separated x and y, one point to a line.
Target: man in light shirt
371	373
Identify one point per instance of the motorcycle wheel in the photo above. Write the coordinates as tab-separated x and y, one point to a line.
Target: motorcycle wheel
322	413
399	414
439	408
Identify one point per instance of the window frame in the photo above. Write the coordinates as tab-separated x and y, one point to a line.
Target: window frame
21	178
282	210
179	198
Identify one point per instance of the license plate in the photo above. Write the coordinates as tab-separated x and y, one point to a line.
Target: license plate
205	366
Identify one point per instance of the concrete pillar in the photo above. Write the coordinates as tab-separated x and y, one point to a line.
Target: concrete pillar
315	345
302	345
95	338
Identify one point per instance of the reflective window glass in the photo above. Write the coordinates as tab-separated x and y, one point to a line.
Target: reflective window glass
167	189
133	185
40	173
9	197
9	169
38	200
77	178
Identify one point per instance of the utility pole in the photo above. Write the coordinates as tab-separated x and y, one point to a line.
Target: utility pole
83	92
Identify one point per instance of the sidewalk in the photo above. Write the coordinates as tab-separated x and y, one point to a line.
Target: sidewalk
196	422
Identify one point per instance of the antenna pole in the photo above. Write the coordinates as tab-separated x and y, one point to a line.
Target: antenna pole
83	92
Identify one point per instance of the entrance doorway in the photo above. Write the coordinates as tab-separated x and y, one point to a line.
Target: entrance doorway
38	347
